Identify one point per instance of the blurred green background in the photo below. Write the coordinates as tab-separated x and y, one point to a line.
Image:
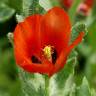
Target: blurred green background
9	81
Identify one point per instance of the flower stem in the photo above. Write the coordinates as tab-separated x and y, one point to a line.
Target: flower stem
46	86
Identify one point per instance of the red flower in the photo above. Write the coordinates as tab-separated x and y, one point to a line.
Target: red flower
67	3
41	43
89	3
84	7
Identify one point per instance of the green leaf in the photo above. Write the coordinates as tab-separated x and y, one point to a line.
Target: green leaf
5	12
73	90
68	88
48	4
67	70
16	5
83	90
26	7
31	7
76	29
19	18
43	3
32	83
68	85
93	92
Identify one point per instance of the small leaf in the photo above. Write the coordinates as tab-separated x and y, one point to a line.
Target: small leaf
32	83
16	5
93	92
48	4
73	90
5	12
68	85
83	90
43	3
32	7
68	88
66	71
19	18
76	29
26	87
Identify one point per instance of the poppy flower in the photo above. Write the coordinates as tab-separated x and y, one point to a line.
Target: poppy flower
66	3
89	3
41	42
84	7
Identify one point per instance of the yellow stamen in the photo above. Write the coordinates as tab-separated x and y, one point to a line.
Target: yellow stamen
48	52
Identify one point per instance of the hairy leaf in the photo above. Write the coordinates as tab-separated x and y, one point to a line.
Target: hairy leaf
5	12
84	89
76	29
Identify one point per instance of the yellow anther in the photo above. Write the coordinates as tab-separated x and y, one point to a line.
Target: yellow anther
48	52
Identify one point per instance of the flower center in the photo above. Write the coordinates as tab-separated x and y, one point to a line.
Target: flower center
50	53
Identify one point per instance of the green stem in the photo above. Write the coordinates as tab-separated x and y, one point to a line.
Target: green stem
46	86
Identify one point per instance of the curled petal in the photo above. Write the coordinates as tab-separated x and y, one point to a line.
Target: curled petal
61	61
76	41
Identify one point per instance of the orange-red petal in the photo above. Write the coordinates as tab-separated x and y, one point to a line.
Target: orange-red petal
26	44
55	28
61	61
